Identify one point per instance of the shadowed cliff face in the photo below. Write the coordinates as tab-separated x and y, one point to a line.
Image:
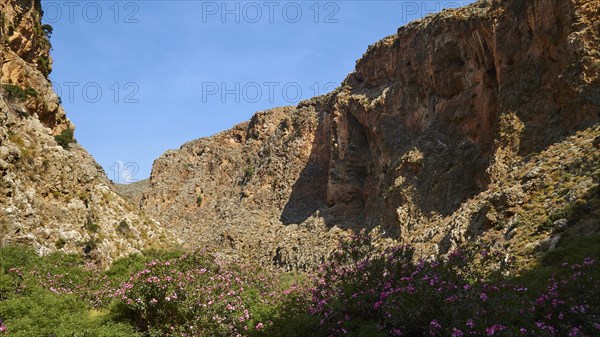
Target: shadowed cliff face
54	197
429	139
439	88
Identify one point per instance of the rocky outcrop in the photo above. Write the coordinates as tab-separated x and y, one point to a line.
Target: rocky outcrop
431	140
227	192
53	195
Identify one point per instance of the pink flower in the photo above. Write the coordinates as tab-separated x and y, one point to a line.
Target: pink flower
2	328
574	332
490	331
483	297
588	261
457	333
259	326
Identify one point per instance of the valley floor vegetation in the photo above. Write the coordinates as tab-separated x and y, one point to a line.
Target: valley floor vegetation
360	291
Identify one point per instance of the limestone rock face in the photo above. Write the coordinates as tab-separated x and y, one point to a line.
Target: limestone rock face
227	192
53	198
433	140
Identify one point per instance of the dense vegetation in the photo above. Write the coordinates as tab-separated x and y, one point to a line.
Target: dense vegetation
17	93
65	138
361	291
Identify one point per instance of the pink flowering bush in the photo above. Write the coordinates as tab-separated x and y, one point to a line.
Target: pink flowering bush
190	296
362	291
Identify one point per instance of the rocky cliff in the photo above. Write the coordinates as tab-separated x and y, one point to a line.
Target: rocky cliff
475	124
53	195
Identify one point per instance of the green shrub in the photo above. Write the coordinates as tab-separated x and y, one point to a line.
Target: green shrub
248	174
43	313
28	271
571	249
60	243
17	93
123	227
65	138
11	283
44	64
288	316
573	212
89	246
47	29
91	226
16	257
123	268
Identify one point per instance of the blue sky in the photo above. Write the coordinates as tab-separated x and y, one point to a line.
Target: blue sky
140	77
